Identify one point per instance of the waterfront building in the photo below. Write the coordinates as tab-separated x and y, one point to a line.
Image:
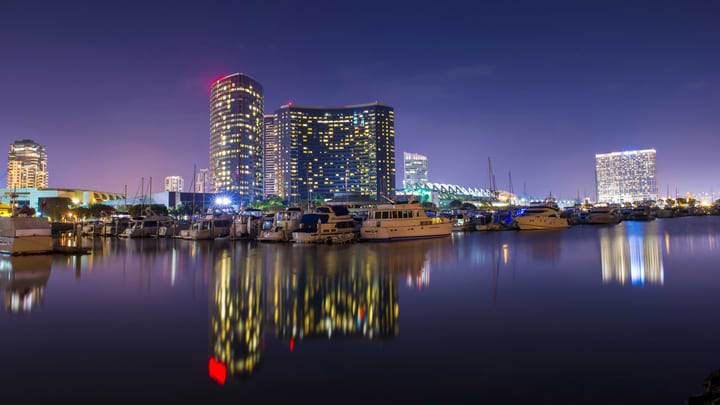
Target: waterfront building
323	151
174	183
33	197
415	169
27	165
203	182
270	158
236	136
628	176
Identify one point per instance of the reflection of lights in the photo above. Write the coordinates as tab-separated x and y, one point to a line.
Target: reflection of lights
217	371
667	243
505	253
633	255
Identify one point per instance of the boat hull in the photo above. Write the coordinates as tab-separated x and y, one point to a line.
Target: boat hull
332	238
539	223
405	232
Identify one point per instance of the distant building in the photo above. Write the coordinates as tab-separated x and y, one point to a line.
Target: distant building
271	168
628	176
203	182
174	183
323	151
236	136
415	169
27	165
33	197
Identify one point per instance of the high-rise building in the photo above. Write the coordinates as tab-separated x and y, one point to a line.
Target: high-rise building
626	176
203	182
174	184
27	165
236	136
415	169
323	151
270	156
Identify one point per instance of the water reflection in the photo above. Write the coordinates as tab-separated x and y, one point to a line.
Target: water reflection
632	253
23	280
311	292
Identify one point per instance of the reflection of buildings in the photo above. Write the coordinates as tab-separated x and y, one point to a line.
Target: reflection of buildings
236	316
23	280
630	253
301	294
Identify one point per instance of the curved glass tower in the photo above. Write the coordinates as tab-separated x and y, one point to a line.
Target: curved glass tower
236	136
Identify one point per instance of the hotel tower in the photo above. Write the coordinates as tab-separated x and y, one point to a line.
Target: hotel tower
236	136
628	176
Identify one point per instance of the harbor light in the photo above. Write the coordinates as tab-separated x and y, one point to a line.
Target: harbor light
222	201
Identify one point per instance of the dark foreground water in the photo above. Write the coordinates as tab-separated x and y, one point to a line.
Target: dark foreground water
624	314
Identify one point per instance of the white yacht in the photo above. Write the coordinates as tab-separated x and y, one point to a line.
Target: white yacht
146	227
208	228
603	215
403	221
326	225
284	224
115	226
540	217
460	222
246	225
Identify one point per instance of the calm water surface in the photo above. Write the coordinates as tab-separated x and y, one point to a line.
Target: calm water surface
589	315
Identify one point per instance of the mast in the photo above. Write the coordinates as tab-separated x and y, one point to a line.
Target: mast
142	195
194	190
490	182
150	195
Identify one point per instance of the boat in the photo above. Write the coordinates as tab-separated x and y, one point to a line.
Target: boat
603	216
25	235
540	217
115	226
326	224
92	228
460	222
246	225
283	225
222	225
641	214
148	226
403	221
173	230
201	229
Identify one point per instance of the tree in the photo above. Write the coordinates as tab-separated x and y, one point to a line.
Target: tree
141	210
26	211
81	212
54	207
455	204
100	210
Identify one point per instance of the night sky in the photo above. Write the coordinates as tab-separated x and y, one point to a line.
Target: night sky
120	90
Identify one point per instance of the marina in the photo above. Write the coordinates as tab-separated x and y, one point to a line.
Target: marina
555	309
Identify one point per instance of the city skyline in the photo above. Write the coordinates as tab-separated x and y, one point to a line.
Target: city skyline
585	94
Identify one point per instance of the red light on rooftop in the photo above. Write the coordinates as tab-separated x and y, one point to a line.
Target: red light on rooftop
217	370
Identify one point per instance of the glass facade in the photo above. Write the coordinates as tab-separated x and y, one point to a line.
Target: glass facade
27	165
415	169
270	154
236	136
626	176
335	150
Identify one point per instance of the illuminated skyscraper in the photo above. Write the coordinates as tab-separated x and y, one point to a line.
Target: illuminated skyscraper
174	184
270	154
236	136
626	176
415	168
335	150
27	165
203	182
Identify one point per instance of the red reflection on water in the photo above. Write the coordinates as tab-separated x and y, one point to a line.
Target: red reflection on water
292	344
217	370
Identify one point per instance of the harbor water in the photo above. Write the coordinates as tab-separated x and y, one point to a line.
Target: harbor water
592	314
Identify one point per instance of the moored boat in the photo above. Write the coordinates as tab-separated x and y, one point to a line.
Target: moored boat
284	224
403	221
326	224
603	216
540	217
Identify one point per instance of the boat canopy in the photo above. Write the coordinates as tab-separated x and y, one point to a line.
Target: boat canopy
312	219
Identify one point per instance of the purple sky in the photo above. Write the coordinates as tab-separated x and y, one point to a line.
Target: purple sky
120	90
